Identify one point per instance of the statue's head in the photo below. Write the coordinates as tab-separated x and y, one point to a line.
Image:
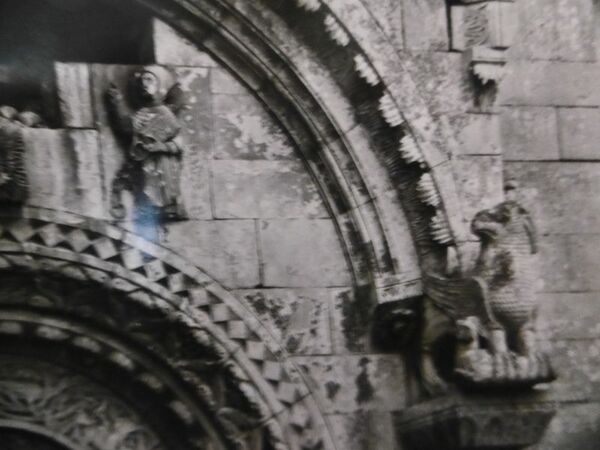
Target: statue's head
506	218
148	84
152	83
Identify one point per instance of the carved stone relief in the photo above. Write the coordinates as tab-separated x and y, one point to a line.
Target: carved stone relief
69	407
152	168
491	311
479	361
164	294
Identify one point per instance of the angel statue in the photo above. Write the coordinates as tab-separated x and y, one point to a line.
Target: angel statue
491	311
152	168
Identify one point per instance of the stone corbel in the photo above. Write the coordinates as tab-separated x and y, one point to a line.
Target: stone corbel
483	30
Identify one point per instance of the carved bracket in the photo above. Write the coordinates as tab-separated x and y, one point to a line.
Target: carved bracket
483	30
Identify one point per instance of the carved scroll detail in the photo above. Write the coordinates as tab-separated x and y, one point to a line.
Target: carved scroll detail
71	407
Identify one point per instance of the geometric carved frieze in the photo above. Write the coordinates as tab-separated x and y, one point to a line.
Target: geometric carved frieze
90	250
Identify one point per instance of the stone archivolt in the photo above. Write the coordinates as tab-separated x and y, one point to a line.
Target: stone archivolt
154	279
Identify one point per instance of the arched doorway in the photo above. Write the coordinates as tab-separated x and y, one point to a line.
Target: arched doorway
364	177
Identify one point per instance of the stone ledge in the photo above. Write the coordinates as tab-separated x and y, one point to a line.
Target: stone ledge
474	423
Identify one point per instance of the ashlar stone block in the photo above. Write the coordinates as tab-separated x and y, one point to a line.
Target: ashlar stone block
536	35
74	95
244	130
171	48
561	197
568	315
264	189
574	426
576	29
425	25
550	83
351	315
576	363
64	170
579	133
363	430
302	253
478	134
480	182
225	249
529	133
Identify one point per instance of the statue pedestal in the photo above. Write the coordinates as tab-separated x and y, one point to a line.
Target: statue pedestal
474	422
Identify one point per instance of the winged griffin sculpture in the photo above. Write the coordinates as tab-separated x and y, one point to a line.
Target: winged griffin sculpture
490	311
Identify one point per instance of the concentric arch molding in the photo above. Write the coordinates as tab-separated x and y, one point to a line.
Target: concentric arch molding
375	156
80	248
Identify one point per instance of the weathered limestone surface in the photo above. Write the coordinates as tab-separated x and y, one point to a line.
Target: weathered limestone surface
555	29
226	249
244	130
575	426
350	312
478	134
172	48
550	83
64	170
298	318
561	196
264	189
301	253
579	133
569	315
356	383
480	181
363	430
425	25
529	133
74	95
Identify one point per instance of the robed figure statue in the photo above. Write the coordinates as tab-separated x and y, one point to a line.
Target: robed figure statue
152	170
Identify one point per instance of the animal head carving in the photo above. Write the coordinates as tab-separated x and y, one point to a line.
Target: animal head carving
507	219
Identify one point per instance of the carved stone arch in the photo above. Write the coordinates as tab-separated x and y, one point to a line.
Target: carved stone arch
158	285
377	163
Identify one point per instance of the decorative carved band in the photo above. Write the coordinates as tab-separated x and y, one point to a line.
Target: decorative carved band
157	279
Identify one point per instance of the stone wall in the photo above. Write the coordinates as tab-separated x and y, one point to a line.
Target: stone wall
543	131
258	224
